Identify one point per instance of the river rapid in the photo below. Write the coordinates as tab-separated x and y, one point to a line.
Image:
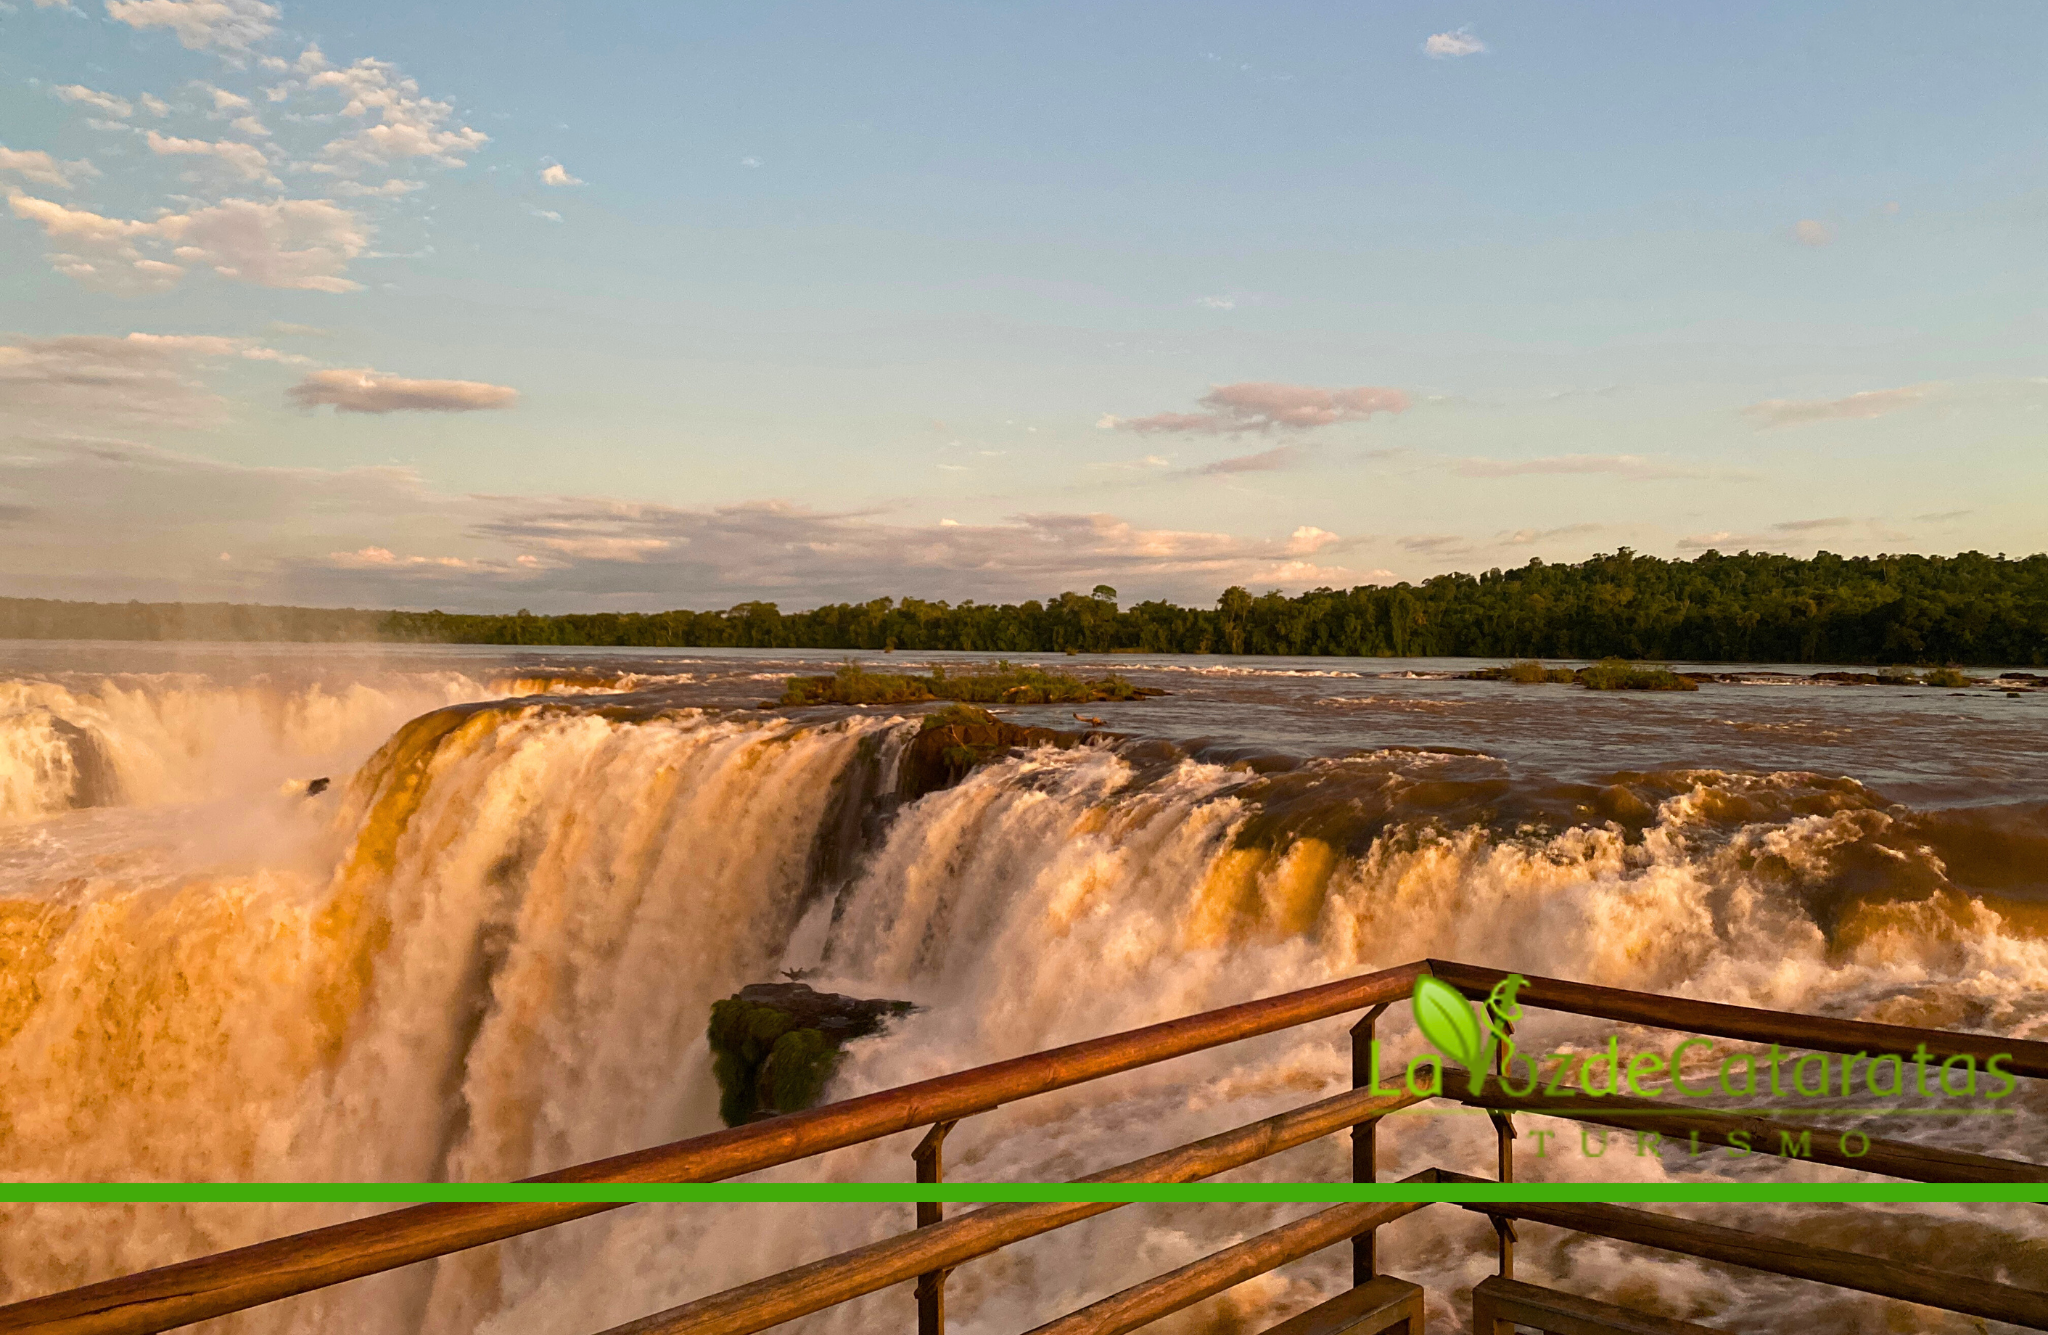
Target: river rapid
488	949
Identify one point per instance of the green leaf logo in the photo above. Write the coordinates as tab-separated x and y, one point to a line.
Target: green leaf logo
1445	1018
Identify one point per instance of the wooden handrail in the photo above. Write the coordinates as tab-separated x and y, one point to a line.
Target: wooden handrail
835	1279
214	1285
1888	1278
1163	1295
210	1286
1817	1033
1888	1158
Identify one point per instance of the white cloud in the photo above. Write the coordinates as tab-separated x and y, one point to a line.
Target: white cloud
750	162
406	125
1449	45
233	25
32	164
223	100
303	244
88	97
1812	232
391	189
154	105
366	391
1308	540
250	126
1217	303
246	159
548	215
1870	403
556	174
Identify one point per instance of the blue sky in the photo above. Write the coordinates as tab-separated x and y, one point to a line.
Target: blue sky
646	306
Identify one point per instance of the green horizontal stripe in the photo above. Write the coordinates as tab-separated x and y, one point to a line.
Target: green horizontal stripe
392	1193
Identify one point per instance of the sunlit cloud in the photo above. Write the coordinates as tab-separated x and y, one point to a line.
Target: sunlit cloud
367	391
1260	405
232	25
1449	45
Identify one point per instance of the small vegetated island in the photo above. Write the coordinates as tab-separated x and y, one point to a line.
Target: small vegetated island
1001	683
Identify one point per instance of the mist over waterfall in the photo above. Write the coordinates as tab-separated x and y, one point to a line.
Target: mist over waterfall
490	951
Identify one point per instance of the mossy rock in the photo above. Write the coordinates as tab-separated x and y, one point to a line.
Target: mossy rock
775	1046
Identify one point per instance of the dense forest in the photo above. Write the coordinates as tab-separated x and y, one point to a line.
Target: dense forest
1751	607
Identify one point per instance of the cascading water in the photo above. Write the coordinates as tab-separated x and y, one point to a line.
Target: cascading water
494	952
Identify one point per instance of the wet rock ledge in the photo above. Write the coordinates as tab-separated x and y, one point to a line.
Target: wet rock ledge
955	739
775	1045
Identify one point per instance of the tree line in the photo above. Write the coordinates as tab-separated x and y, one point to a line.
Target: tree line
1749	607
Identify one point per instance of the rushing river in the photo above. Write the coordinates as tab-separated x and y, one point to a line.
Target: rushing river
489	948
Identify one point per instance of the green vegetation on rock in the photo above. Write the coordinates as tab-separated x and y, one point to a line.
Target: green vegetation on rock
1001	683
1528	672
1615	674
775	1046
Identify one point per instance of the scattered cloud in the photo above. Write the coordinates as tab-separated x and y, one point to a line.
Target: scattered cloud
302	244
1217	303
391	189
556	174
223	100
246	159
231	25
98	101
1265	461
1812	232
548	215
250	126
1811	525
1870	403
154	105
1450	45
1941	516
381	537
1435	544
405	125
1308	540
39	168
750	162
80	380
1523	537
1263	405
366	391
1622	465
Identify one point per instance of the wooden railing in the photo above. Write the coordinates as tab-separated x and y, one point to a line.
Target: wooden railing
232	1281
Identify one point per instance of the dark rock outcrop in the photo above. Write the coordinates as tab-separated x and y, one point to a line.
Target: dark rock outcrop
957	738
775	1045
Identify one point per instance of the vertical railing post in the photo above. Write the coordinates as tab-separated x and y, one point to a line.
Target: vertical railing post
1365	1263
931	1286
1504	1142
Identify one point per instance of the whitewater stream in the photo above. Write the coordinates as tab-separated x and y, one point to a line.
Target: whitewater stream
489	948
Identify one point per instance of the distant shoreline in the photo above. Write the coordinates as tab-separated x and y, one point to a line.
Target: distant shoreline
1964	610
